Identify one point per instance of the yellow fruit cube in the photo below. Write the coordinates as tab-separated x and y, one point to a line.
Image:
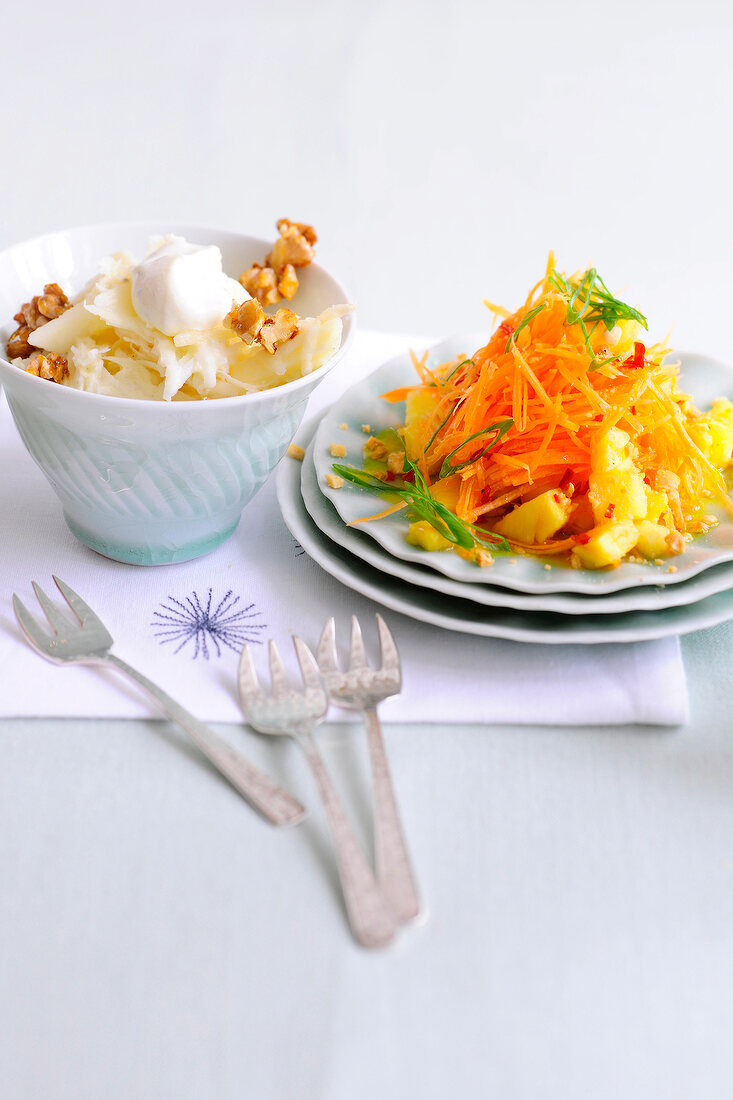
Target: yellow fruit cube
652	540
447	490
536	520
720	424
656	503
420	406
616	487
607	546
424	535
627	333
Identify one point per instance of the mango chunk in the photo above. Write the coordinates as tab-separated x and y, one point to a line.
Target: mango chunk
581	515
656	503
720	424
652	540
607	546
424	535
420	406
447	490
536	520
623	336
616	487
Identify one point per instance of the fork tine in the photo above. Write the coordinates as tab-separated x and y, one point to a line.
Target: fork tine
387	646
32	629
81	609
247	677
308	667
326	652
358	658
58	622
278	675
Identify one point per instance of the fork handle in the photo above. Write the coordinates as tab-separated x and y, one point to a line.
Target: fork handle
371	919
393	863
272	801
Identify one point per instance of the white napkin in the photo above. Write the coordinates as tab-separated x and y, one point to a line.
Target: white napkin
259	585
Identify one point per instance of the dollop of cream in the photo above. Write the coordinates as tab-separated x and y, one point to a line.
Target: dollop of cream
181	287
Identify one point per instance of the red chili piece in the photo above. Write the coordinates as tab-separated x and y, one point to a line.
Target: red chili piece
637	359
609	511
582	539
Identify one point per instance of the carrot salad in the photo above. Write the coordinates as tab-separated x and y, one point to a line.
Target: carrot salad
565	436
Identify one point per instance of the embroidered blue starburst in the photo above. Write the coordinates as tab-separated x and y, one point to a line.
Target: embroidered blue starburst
207	627
298	549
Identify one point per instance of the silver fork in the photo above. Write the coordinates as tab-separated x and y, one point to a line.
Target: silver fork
362	688
296	713
89	643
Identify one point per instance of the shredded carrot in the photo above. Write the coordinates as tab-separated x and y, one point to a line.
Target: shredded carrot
379	515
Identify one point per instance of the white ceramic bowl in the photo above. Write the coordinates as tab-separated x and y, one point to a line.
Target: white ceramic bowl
140	481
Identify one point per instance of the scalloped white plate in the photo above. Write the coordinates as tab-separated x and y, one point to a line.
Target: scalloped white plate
362	404
451	613
654	598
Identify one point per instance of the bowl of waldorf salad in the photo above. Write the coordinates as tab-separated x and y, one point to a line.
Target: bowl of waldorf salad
157	373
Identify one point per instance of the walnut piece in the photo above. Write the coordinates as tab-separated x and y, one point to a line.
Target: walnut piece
483	557
279	329
287	282
18	346
261	283
276	279
284	225
675	542
247	320
375	448
292	247
251	323
48	365
31	315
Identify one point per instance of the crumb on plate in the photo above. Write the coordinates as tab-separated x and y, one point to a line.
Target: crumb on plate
296	452
338	450
374	448
334	481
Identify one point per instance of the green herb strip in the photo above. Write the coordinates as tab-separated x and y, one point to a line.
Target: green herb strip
457	368
528	317
590	300
501	427
424	505
442	424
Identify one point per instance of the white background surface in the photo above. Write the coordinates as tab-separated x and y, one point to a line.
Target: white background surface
440	148
157	941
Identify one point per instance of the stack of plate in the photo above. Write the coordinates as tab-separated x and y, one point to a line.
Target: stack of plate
516	597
